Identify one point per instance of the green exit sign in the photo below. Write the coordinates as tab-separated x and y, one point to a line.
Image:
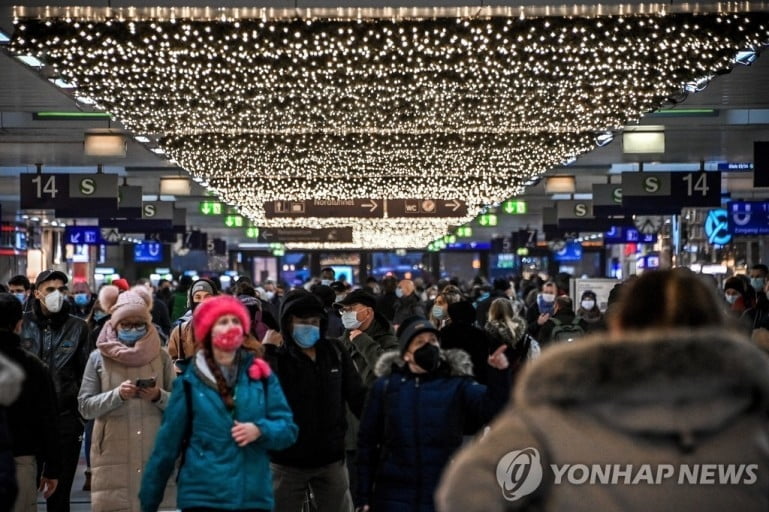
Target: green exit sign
514	207
234	221
279	252
464	231
252	232
210	208
488	219
450	239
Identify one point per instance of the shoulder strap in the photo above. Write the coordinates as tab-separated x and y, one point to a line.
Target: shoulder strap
555	321
188	428
576	322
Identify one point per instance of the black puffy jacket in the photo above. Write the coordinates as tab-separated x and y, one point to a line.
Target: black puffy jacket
412	424
63	342
317	391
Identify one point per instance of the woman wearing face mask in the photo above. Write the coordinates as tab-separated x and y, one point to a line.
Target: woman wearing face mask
125	390
227	410
740	299
590	312
416	415
439	313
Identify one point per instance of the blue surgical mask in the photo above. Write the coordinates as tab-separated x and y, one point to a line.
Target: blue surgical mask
81	299
757	283
98	315
731	299
129	337
398	293
21	296
306	336
438	312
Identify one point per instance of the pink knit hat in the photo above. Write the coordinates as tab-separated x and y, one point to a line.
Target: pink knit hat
122	284
209	311
130	306
107	297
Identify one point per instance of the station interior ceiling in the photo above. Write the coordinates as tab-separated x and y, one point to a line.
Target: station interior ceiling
738	102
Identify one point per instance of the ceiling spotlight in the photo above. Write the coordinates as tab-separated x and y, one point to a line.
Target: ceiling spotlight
746	57
105	143
142	139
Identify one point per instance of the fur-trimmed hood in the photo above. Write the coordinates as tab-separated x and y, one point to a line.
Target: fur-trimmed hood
501	331
454	362
654	381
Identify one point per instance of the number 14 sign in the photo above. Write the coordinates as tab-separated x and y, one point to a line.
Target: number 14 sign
66	191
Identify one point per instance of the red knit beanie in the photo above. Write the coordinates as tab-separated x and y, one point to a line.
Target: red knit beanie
210	310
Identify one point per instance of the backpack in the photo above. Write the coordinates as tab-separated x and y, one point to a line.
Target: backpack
566	332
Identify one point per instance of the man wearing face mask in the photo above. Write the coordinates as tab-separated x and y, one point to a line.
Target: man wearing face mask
327	276
415	417
81	299
20	287
181	343
408	304
63	342
319	380
542	309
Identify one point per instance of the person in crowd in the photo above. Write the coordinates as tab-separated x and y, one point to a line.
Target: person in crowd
339	289
63	342
181	343
416	415
590	312
179	304
96	321
81	299
327	276
385	303
261	321
125	390
164	295
505	327
409	303
563	324
501	288
32	416
320	381
439	312
372	286
462	334
225	413
758	280
21	288
334	326
367	335
670	384
541	310
11	378
274	294
740	298
160	316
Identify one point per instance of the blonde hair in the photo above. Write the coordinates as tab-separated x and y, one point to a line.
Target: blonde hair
501	310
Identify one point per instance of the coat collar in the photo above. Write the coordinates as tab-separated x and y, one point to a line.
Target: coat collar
455	362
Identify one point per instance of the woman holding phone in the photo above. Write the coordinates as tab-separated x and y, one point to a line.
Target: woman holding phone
125	389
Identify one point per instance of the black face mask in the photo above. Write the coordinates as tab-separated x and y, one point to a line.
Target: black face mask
427	357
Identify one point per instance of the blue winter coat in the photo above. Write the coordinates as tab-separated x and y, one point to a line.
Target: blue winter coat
217	473
412	424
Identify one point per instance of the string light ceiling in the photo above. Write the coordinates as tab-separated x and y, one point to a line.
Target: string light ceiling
329	107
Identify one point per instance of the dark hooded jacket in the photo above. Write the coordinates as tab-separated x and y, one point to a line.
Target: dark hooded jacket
62	342
412	425
463	335
683	399
406	307
317	390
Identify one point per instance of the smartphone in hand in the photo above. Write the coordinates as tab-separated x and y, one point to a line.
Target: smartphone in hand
145	383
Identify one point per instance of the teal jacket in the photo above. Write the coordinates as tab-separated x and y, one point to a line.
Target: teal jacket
217	473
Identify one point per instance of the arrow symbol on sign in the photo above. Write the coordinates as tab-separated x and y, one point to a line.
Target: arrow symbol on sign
74	238
371	206
454	205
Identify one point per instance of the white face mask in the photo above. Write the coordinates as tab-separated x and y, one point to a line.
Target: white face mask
548	297
269	295
326	282
350	320
588	304
53	301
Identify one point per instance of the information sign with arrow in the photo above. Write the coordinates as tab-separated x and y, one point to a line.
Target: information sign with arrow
299	235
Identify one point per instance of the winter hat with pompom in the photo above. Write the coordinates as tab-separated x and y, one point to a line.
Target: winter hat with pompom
210	310
130	306
108	296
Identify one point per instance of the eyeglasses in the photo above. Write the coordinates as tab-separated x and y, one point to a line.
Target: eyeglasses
348	309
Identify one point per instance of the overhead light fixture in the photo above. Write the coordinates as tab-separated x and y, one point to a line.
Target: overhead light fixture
142	139
85	100
175	186
560	184
31	61
60	83
158	151
643	140
105	143
4	37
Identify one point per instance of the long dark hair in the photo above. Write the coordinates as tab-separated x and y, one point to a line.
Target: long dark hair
226	392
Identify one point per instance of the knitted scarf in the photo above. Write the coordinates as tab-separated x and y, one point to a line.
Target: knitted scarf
145	350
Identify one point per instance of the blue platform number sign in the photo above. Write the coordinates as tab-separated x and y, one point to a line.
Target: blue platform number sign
148	252
717	227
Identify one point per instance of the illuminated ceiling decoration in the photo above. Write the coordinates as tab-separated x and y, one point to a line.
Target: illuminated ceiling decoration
271	104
